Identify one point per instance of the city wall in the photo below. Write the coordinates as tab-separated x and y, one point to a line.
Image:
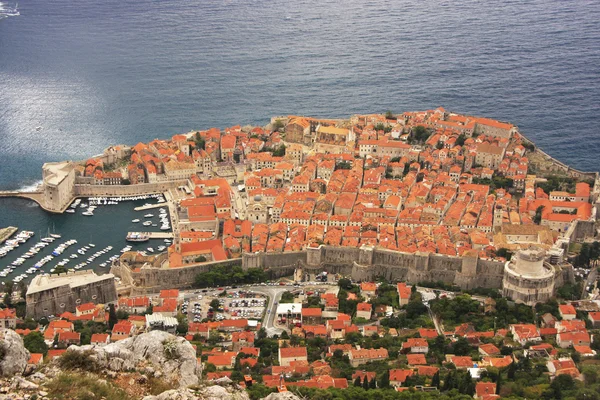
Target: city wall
126	190
58	300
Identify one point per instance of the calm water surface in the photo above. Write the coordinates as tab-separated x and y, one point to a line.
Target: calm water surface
96	73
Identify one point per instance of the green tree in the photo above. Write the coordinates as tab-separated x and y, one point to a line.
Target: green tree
8	290
365	383
372	384
34	342
199	141
278	125
537	218
280	151
435	380
215	304
112	316
385	380
357	382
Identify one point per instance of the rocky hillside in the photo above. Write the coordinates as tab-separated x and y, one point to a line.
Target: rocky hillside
151	366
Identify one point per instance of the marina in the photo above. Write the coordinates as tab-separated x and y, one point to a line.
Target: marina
74	241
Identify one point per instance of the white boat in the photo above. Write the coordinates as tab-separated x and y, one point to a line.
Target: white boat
92	245
70	211
87	213
55	235
149	215
150	249
135	220
147	223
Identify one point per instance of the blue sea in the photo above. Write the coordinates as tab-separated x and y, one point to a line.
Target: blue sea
95	73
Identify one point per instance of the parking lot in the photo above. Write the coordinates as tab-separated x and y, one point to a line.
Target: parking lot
236	304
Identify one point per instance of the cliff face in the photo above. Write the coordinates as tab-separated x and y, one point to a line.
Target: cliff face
121	369
158	353
14	356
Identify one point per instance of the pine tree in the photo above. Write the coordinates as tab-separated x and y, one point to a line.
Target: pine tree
112	316
373	384
435	380
385	380
357	382
365	383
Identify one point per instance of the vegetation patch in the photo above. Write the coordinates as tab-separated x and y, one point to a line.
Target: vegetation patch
69	386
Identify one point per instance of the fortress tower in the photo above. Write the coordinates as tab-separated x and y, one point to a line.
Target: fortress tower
527	278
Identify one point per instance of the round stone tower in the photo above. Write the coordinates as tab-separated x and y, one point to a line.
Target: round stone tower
527	278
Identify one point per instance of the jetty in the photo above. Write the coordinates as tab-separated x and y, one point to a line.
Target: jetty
7	232
150	206
156	235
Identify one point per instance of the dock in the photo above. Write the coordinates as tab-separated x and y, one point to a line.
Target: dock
156	235
150	206
6	233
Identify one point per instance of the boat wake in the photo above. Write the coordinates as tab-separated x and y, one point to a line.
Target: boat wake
8	11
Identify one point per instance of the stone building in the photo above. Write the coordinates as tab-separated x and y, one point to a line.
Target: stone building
528	278
55	294
58	183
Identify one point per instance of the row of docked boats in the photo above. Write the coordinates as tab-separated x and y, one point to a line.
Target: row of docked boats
11	244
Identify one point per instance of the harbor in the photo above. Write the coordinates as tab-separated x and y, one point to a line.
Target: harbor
91	236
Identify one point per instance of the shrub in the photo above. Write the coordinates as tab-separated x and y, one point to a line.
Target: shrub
77	386
82	360
170	349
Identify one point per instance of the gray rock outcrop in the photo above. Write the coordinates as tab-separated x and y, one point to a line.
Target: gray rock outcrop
215	392
282	396
15	356
172	358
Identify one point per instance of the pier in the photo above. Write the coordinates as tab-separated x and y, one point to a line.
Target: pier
157	235
150	206
6	233
34	196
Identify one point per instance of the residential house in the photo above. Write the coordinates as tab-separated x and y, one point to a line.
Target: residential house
290	354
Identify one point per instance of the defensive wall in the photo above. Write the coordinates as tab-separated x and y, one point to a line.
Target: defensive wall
367	263
126	190
361	264
57	299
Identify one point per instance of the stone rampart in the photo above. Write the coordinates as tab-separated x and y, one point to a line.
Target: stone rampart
57	300
466	272
126	190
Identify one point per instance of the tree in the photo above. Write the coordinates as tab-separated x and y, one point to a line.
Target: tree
385	380
215	304
237	376
278	125
8	289
182	324
537	218
22	289
200	259
112	316
345	283
280	151
435	380
365	383
504	253
461	347
34	342
389	114
357	382
199	141
372	384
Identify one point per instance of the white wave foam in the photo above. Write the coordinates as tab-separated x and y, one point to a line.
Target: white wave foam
31	187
